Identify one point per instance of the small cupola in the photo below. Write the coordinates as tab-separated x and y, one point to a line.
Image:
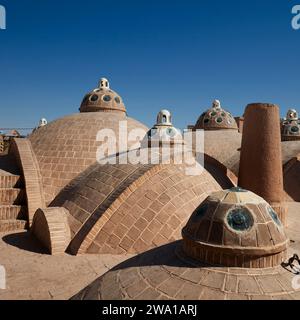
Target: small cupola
102	99
164	118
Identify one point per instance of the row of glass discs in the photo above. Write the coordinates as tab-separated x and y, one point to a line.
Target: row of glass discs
218	116
105	98
239	218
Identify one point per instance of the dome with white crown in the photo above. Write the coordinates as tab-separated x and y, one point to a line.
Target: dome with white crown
290	126
163	131
102	99
216	118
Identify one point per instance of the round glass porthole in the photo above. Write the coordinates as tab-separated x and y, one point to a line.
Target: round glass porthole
219	120
94	98
240	219
106	98
151	133
171	132
118	100
206	120
294	129
274	216
213	114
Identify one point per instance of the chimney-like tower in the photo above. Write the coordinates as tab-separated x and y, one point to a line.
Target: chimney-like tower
261	159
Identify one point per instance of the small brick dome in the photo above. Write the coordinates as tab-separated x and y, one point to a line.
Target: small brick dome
235	228
102	99
290	126
163	131
216	118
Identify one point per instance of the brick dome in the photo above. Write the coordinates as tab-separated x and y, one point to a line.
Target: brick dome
102	99
174	272
66	147
290	126
160	274
126	208
163	132
216	118
235	228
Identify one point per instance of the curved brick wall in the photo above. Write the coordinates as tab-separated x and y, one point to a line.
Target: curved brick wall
50	226
131	208
21	149
224	146
291	179
66	147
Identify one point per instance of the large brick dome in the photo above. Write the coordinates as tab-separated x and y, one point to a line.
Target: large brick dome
66	147
126	208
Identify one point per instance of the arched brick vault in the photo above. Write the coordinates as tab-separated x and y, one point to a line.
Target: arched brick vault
131	208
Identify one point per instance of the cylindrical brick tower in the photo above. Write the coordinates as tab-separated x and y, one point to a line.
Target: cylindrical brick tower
261	159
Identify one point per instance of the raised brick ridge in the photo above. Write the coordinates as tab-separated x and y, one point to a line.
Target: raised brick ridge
22	150
78	244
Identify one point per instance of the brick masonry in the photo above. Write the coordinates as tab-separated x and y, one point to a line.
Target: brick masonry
22	150
160	275
50	226
67	147
125	208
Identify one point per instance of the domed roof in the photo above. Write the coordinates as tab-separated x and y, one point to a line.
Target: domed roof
130	208
216	118
160	274
102	99
235	228
66	147
163	131
175	272
290	126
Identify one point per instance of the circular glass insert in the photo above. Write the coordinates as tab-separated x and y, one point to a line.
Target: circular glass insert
94	98
274	216
294	129
206	120
170	132
106	98
118	100
219	120
240	219
213	114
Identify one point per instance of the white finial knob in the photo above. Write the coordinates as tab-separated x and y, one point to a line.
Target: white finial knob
43	122
103	83
292	114
216	104
164	118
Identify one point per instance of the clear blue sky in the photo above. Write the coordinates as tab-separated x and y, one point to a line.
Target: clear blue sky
178	55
